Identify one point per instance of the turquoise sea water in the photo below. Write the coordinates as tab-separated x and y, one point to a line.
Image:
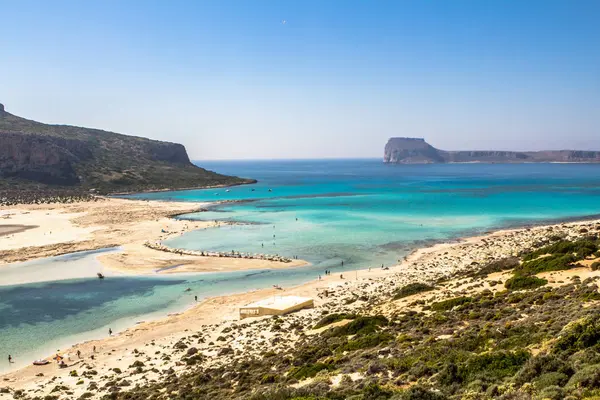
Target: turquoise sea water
361	212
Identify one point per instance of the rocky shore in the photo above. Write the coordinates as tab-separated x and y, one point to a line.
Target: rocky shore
210	335
233	254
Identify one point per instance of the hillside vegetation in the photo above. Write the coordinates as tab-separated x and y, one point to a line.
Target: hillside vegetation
531	341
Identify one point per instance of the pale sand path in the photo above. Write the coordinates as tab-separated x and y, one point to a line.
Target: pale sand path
108	222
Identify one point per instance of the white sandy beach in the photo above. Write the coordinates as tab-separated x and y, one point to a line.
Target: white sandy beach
213	324
67	228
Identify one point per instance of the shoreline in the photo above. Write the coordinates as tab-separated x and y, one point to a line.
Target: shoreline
426	264
249	182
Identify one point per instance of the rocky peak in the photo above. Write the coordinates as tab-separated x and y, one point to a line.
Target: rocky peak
407	150
2	112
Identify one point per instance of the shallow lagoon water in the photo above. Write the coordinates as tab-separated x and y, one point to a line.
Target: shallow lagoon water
359	211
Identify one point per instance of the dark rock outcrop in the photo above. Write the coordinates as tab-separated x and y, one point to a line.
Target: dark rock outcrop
411	151
41	156
418	151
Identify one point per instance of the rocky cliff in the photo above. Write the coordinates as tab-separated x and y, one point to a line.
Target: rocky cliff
46	156
401	150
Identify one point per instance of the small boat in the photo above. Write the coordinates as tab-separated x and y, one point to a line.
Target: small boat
41	362
100	276
227	190
270	190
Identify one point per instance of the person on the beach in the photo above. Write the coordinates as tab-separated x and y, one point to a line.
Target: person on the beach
342	263
109	332
94	349
78	353
10	359
196	298
341	276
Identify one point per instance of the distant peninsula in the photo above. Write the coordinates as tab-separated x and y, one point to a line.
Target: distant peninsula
41	158
405	150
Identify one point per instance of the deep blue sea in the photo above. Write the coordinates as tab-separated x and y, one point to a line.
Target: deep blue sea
362	212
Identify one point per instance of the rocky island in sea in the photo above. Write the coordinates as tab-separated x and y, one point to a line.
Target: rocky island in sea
406	150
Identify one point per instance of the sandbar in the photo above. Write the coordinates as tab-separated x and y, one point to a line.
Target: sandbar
56	229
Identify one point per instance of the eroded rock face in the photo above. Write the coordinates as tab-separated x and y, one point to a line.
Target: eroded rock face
410	151
402	150
36	159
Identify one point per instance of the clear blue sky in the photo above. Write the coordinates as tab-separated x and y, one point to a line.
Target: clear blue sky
229	80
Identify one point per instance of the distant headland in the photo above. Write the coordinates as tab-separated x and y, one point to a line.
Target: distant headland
38	159
404	150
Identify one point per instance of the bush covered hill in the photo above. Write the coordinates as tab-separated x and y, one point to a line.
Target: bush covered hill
526	339
38	157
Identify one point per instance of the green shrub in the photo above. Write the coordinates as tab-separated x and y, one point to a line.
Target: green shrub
582	248
447	305
588	378
495	365
541	365
500	265
412	289
308	370
268	378
595	266
137	364
420	393
331	318
552	393
372	391
360	326
550	379
579	336
556	262
367	341
524	282
311	354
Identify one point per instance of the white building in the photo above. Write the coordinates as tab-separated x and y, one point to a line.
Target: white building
276	305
